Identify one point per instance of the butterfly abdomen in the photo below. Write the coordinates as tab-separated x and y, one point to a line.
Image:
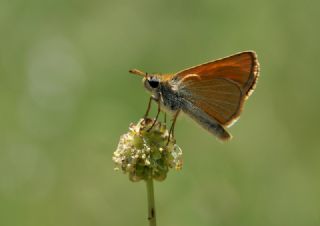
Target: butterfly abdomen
207	122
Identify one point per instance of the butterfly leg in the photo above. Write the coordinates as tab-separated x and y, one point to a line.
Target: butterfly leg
165	118
148	109
171	131
155	120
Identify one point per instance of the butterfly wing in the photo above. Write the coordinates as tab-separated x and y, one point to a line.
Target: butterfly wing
219	88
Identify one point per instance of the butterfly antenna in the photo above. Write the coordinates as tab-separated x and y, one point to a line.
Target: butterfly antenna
137	72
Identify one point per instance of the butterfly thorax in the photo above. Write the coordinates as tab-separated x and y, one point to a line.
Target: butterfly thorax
163	91
169	98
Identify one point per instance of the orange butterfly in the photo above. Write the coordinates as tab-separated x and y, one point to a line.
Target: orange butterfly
212	94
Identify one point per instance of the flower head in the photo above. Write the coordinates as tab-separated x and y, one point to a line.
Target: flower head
145	154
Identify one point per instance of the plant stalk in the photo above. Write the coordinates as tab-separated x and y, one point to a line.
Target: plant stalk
151	204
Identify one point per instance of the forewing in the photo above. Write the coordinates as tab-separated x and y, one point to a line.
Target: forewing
241	68
219	98
220	87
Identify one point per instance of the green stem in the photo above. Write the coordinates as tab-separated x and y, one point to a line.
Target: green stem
151	204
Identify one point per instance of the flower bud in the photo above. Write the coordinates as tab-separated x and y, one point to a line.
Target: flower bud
146	153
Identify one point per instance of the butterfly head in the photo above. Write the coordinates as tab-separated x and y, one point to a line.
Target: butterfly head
151	82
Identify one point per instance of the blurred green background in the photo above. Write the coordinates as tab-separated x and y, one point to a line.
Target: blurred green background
66	97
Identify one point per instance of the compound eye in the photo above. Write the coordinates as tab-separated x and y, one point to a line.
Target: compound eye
153	83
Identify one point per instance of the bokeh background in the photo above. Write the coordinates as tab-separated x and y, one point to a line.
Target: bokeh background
66	97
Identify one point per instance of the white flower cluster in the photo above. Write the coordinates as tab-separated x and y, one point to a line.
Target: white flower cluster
145	154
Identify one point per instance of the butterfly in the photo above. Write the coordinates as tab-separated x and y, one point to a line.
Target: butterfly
212	94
